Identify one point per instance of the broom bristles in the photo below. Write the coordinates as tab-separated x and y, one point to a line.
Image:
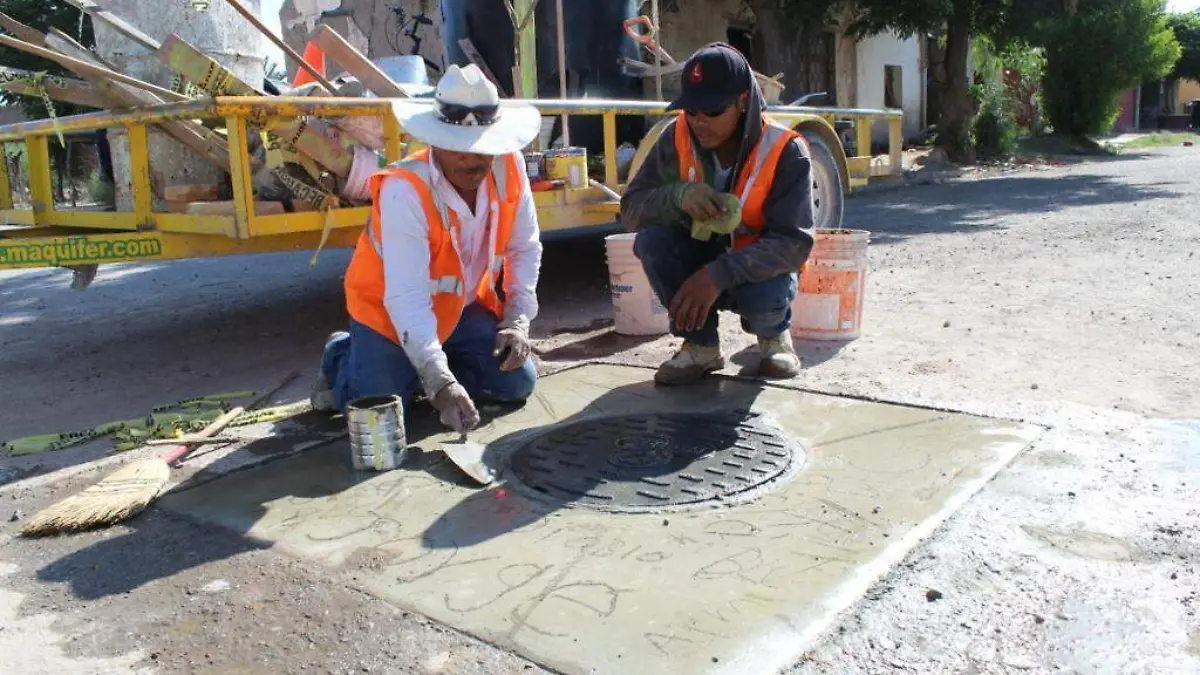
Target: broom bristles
121	495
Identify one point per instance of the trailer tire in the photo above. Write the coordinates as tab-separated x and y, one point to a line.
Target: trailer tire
829	202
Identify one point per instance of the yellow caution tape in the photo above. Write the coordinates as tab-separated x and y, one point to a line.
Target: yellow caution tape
327	206
166	422
39	84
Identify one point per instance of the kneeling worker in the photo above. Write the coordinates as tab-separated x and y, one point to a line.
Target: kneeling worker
722	144
421	286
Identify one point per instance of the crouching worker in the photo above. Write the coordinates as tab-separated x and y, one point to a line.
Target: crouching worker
421	289
722	144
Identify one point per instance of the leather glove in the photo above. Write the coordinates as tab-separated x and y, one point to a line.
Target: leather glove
700	201
455	408
513	346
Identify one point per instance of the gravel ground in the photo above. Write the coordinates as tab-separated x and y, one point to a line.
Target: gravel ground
1067	297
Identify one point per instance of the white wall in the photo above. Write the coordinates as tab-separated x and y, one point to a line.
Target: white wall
888	50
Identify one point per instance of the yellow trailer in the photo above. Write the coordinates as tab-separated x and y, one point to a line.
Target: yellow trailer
45	235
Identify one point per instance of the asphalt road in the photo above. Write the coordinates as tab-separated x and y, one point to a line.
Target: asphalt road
1068	297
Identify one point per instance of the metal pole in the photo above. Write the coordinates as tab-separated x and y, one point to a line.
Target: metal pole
657	52
562	70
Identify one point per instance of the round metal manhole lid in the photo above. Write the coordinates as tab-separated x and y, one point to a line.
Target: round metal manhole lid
654	461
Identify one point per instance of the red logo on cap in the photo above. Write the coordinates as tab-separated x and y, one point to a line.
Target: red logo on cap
697	74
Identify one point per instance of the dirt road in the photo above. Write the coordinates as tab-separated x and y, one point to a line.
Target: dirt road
1068	297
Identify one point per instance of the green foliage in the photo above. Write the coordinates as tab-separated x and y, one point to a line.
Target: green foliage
1096	54
43	15
908	17
102	191
995	130
1187	32
959	21
1018	68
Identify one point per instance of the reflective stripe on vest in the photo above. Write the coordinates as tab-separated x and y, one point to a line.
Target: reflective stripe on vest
447	287
754	180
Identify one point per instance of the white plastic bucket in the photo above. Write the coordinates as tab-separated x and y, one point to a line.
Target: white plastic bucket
829	304
636	309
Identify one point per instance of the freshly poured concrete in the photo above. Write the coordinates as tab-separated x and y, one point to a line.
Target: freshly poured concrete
737	589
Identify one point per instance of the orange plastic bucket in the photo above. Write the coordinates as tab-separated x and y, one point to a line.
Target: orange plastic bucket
829	301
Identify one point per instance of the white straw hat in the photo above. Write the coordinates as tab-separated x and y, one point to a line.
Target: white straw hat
466	115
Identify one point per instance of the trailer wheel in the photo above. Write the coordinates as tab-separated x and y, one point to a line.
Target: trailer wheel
829	202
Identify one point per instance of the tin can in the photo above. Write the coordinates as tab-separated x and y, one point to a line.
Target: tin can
377	437
535	165
568	164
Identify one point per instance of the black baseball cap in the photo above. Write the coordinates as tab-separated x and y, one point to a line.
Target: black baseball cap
713	78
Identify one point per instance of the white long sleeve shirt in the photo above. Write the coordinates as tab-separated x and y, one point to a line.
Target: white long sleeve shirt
405	252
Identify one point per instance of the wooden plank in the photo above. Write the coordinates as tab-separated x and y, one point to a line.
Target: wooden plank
344	53
203	141
192	192
270	34
475	57
83	68
30	35
308	137
63	89
201	69
129	31
231	208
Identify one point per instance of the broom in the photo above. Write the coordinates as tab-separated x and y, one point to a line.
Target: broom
121	495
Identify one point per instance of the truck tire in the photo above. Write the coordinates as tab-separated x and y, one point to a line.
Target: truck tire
829	202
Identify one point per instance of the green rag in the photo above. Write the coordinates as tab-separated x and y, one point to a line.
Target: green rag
726	223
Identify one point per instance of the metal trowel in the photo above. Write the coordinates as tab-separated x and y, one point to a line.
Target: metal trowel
468	456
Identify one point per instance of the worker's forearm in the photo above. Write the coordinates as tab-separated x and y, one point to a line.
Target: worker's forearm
653	194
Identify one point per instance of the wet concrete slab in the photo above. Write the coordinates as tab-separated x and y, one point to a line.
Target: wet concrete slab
743	583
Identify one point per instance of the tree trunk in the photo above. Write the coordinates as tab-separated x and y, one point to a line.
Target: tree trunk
958	108
773	42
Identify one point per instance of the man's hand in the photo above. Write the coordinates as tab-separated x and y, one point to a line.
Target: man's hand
455	408
691	305
701	202
516	344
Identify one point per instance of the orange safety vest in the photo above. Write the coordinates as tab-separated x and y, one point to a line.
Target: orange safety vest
753	182
447	287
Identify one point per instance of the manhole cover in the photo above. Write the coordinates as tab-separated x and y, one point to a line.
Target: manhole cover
646	462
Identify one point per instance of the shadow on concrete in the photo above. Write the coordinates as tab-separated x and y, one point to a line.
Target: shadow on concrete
976	205
811	352
712	408
601	345
151	551
156	548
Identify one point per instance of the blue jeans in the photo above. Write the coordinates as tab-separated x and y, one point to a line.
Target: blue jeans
669	256
362	363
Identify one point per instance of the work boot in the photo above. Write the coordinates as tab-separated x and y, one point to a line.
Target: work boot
779	360
690	364
321	397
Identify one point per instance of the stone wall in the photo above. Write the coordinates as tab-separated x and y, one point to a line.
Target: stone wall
370	25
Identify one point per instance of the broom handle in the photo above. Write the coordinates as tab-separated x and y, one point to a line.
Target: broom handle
212	429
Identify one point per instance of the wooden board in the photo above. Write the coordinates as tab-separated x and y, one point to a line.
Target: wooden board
228	208
310	137
336	48
196	192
